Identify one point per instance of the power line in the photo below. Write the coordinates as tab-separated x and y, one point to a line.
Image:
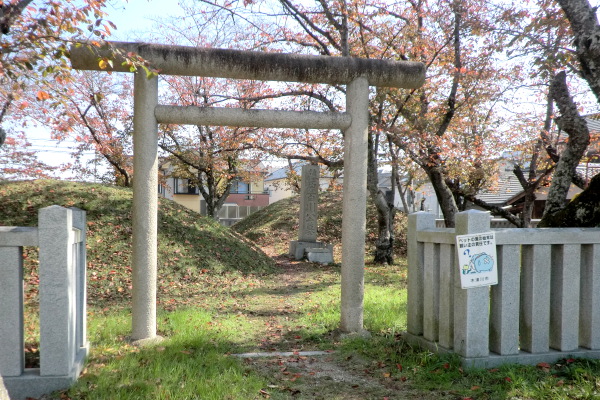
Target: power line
61	151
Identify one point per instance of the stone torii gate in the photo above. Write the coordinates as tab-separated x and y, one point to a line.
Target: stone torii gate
356	73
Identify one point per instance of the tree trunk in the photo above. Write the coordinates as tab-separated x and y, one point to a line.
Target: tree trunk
395	178
444	195
209	193
210	207
585	27
384	246
579	138
529	202
529	185
583	211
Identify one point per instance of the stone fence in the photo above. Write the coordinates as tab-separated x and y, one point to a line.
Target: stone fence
60	236
546	305
494	223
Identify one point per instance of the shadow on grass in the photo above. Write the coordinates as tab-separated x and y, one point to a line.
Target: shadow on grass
180	369
194	364
191	364
293	289
444	376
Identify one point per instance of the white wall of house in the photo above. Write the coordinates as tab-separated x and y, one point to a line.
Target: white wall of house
422	194
279	189
426	195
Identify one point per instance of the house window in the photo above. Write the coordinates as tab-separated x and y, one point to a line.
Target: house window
183	186
239	187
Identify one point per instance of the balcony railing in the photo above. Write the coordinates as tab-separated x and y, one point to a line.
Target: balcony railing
266	191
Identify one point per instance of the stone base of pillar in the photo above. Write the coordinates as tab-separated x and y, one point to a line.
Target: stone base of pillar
319	255
31	384
318	250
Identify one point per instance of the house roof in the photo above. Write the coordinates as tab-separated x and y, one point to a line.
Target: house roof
508	186
593	122
281	173
542	194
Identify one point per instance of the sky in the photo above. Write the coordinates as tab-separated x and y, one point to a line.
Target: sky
133	18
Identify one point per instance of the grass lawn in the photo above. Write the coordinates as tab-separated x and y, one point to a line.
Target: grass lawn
296	309
221	295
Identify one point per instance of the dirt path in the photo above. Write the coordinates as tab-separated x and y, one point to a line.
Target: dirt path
326	376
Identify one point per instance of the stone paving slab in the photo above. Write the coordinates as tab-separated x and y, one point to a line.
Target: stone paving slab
283	354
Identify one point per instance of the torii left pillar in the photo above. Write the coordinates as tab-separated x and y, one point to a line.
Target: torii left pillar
145	208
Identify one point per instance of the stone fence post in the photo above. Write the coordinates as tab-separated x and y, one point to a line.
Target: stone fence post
62	330
12	358
60	236
80	255
416	222
471	306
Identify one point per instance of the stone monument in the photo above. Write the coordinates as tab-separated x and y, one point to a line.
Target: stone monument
307	245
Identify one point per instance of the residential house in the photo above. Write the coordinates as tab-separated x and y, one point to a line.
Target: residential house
541	195
421	198
278	186
244	197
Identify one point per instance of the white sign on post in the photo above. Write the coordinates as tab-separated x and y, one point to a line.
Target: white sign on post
477	259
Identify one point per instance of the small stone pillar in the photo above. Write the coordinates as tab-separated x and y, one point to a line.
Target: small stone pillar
57	291
471	306
307	244
60	236
62	291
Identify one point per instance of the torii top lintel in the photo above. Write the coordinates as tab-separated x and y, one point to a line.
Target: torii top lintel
238	64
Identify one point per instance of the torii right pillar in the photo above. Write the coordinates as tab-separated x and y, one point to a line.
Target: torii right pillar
354	206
